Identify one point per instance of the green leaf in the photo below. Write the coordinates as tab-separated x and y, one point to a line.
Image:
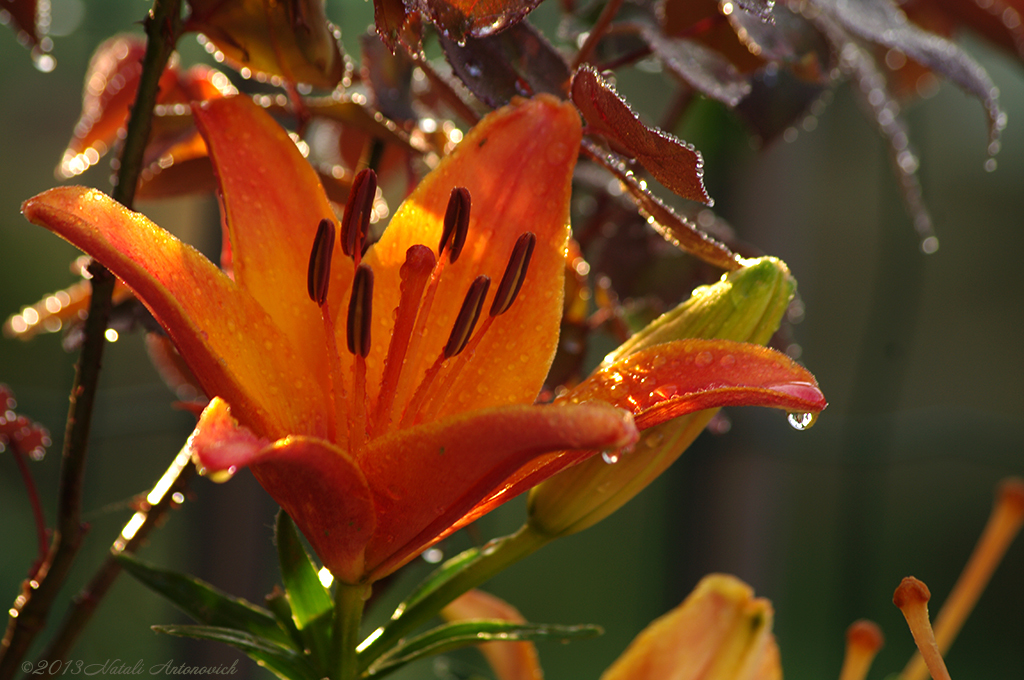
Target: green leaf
306	594
465	633
206	604
437	578
283	662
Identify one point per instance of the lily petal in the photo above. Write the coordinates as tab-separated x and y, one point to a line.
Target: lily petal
720	632
425	478
675	378
508	660
517	164
327	493
206	314
272	204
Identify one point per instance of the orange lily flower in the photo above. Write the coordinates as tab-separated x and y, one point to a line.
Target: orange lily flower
378	451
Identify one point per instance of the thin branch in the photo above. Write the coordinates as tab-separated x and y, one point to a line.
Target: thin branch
148	517
596	33
32	606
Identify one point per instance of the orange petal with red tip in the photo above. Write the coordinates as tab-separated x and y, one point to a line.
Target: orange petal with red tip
675	378
427	477
517	164
209	316
272	204
326	496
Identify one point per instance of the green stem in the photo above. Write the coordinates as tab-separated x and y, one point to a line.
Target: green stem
32	607
491	560
348	615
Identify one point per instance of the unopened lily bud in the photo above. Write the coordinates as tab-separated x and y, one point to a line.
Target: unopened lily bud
746	305
719	632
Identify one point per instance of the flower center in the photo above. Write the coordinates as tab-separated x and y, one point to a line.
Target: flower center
420	275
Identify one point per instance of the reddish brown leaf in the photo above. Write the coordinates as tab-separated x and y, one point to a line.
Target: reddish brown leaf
702	20
677	165
110	85
518	62
287	39
675	229
460	19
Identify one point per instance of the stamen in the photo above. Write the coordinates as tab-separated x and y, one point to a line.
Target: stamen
912	598
863	640
515	274
508	291
360	310
456	223
356	220
1003	525
319	276
414	274
468	315
461	330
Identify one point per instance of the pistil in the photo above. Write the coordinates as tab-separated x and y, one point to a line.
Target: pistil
508	289
462	329
863	640
912	598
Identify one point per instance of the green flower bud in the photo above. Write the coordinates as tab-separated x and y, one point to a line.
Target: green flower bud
746	305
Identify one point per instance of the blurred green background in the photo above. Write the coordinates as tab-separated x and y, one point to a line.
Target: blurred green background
920	357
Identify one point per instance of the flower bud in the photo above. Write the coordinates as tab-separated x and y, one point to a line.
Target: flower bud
746	305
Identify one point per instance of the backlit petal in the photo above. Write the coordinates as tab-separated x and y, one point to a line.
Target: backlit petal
508	660
272	203
315	482
235	350
427	477
517	164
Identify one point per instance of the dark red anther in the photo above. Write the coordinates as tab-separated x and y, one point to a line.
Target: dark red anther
456	223
358	208
319	276
515	273
468	315
360	311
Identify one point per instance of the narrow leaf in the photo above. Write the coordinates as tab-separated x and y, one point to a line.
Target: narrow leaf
677	165
673	228
519	62
285	663
307	596
884	23
465	633
206	604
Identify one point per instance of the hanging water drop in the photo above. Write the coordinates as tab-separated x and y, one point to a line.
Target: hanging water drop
610	457
801	420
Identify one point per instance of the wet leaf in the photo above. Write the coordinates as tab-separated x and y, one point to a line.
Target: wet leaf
389	76
703	21
516	62
25	20
461	19
453	636
677	165
788	39
883	23
673	228
286	663
702	68
110	85
288	39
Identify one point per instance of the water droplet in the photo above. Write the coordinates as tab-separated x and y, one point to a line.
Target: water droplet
610	457
654	439
727	361
703	359
618	389
474	69
990	165
801	421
